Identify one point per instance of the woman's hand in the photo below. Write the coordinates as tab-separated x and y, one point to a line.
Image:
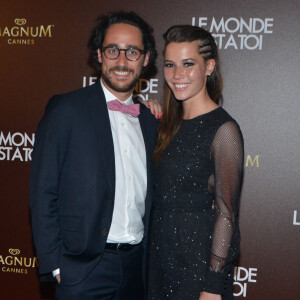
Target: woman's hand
154	106
209	296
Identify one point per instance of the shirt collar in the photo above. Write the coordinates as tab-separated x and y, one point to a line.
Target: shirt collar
109	96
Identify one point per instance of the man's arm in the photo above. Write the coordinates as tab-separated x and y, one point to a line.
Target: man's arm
47	162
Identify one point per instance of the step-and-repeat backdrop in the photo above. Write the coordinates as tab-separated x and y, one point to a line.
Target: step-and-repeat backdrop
43	52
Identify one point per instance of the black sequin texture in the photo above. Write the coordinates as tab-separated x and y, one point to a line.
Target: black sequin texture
194	234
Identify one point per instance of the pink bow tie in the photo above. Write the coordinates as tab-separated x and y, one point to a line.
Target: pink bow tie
132	109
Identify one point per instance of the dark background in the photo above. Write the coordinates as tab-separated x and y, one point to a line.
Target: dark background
261	91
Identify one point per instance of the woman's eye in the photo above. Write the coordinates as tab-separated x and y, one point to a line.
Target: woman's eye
188	64
168	65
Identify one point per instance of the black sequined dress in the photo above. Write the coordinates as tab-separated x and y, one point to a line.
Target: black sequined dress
194	233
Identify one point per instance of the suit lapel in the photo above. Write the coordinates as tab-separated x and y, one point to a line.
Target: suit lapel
97	107
99	115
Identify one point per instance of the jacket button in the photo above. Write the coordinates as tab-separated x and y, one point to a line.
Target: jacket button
104	232
111	200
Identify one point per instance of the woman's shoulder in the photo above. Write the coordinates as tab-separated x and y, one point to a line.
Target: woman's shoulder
228	128
223	114
224	124
223	117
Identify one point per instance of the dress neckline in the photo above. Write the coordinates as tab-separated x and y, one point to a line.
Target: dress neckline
203	115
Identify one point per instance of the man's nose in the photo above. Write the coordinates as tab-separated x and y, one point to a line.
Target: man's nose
122	59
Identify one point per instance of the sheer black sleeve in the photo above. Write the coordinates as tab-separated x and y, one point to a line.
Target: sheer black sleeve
228	153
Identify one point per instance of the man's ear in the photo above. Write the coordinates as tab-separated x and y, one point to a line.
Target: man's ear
99	56
210	66
146	60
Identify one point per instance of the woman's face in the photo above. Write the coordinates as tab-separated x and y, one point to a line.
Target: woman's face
185	70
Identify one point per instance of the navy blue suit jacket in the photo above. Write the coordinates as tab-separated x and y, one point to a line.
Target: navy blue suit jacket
72	183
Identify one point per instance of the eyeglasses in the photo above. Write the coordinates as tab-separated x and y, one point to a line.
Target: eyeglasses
132	54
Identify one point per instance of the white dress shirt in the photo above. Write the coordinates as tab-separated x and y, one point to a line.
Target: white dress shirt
131	176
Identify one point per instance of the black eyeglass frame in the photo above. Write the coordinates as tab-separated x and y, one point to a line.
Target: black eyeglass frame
125	50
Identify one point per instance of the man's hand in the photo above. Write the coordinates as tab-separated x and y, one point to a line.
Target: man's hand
154	106
58	278
209	296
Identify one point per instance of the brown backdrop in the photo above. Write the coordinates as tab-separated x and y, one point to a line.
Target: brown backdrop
43	52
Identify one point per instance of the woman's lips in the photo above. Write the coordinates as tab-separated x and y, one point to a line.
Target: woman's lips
181	86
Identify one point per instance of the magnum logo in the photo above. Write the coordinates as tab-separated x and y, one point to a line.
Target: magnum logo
13	263
20	21
25	35
14	251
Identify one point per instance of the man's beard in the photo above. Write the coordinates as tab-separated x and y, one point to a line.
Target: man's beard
121	89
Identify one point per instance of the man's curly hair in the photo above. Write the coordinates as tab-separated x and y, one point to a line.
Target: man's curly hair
105	21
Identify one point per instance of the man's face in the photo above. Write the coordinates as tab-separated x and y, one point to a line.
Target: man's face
120	75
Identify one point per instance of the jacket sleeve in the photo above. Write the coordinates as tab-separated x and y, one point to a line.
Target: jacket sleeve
48	157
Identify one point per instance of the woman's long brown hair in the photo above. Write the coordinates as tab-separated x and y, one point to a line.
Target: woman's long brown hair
172	109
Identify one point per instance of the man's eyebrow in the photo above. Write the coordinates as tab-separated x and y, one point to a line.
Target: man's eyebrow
111	46
128	46
133	46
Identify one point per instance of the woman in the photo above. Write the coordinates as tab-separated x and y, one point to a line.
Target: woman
194	235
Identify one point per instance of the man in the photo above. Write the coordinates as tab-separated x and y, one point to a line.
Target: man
90	188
